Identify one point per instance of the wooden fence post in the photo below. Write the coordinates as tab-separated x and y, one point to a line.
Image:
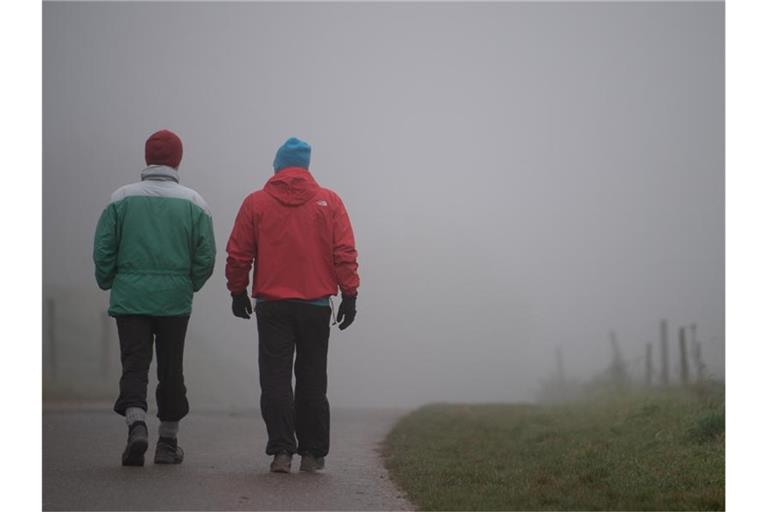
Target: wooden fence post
683	357
560	369
648	364
618	368
664	354
697	359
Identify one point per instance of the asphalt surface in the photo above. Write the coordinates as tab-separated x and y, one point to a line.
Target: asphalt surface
225	467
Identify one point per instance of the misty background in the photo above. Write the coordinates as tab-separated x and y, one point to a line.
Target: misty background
520	177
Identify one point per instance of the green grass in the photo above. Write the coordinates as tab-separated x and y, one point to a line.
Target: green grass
650	451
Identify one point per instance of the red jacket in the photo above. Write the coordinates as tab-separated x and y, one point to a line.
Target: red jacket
300	237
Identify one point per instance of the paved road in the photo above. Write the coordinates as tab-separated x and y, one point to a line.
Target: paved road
225	467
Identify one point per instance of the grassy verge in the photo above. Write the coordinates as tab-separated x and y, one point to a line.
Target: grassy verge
651	451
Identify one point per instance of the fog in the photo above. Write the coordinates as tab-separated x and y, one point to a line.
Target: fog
520	177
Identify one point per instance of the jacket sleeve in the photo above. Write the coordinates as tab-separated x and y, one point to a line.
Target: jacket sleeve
241	249
105	247
204	250
344	252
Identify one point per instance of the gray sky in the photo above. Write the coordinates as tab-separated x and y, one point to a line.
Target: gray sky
519	176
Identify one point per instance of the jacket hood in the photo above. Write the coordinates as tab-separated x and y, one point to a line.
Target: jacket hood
292	186
160	173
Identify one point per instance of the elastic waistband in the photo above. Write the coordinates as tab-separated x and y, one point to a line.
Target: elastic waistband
154	272
322	301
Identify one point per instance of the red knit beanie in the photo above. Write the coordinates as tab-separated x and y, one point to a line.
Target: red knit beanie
163	148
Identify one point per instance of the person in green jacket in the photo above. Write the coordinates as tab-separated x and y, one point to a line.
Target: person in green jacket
154	247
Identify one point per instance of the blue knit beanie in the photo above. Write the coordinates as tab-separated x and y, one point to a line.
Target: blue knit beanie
294	153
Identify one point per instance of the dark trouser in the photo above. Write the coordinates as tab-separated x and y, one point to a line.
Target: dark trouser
137	334
285	326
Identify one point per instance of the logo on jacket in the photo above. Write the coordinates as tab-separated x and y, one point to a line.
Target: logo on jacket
322	202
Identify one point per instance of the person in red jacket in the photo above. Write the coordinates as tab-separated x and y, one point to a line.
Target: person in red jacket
298	238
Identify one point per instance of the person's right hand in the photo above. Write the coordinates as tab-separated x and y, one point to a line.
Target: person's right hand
241	305
347	311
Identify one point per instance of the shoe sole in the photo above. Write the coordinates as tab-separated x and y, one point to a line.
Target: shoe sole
310	465
280	470
172	459
134	455
168	461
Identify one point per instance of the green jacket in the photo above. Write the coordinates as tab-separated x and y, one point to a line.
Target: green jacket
154	246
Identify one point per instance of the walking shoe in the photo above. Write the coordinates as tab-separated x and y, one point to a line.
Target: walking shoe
138	440
281	463
168	451
311	463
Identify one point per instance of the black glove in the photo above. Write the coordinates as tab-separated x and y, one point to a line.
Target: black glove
241	305
347	311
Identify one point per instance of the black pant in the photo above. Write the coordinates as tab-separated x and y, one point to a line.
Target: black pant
137	334
285	326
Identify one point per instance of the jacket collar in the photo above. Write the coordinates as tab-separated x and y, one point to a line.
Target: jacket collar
160	173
